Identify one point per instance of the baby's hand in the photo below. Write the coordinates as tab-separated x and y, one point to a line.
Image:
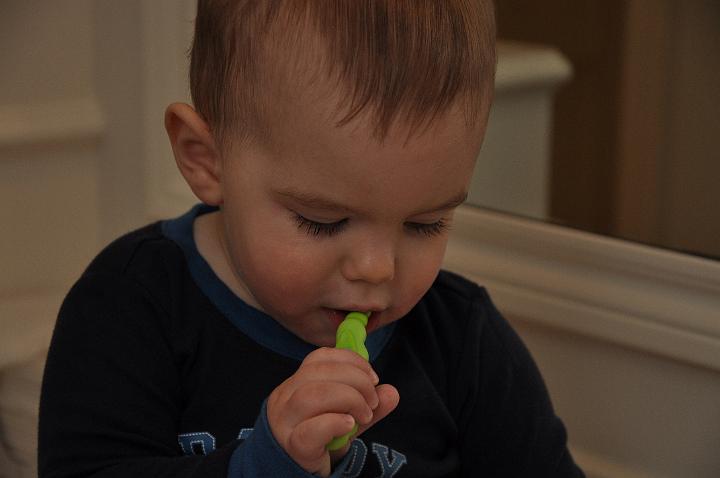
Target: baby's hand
331	390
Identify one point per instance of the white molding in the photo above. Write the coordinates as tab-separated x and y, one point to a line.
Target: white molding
637	296
521	65
598	466
70	119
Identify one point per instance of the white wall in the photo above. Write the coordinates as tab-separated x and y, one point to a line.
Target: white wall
51	128
80	120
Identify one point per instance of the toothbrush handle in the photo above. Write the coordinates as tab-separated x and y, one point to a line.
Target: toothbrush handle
350	335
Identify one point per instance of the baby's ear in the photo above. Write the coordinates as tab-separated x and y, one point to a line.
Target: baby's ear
195	150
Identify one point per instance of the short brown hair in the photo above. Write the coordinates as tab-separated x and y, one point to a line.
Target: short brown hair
413	58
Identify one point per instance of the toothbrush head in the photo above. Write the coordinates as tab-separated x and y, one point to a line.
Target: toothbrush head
351	334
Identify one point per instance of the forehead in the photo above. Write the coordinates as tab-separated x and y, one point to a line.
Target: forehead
307	127
399	174
310	104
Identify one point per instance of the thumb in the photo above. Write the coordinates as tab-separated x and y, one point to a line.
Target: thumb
389	398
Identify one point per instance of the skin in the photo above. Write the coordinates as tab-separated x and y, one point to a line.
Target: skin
379	208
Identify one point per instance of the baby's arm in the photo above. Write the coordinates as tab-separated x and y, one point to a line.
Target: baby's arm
509	410
331	391
111	402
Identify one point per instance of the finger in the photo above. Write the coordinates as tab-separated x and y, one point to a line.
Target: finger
337	455
316	398
327	354
318	370
340	372
389	399
306	443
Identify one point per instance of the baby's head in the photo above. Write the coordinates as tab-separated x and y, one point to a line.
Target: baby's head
337	137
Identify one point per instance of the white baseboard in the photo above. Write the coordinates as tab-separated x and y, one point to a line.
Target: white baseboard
596	466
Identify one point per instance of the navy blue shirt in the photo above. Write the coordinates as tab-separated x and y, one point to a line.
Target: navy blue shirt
156	369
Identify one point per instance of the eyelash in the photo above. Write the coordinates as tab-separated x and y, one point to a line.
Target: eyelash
317	229
428	230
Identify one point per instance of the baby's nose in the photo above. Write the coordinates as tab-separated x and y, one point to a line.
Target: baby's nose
373	263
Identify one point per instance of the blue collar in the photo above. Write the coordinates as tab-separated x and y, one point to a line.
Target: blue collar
254	323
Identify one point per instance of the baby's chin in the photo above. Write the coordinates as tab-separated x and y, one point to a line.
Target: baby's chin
320	341
317	338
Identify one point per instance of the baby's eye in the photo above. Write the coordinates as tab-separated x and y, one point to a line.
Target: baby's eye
429	230
314	228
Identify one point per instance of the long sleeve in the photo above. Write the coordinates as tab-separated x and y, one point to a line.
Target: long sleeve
111	392
261	455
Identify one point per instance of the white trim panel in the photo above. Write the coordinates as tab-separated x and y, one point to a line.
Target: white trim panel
637	296
60	120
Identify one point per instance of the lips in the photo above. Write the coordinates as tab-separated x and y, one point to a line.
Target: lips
336	316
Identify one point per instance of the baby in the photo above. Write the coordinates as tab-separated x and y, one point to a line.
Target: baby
330	142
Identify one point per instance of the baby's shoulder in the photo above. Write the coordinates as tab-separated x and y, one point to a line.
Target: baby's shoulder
458	310
470	317
144	255
456	287
456	298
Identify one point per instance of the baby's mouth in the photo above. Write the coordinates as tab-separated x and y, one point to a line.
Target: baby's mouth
336	316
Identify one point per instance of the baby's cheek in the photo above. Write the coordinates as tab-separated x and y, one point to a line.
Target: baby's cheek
285	281
289	278
418	276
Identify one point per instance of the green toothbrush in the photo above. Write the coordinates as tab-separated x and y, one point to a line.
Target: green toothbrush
351	335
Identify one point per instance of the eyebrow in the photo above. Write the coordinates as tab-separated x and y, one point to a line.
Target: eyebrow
454	202
315	201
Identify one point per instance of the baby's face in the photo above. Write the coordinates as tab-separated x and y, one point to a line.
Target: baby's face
327	220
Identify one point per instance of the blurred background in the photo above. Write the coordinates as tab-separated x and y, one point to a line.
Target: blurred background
634	141
606	121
